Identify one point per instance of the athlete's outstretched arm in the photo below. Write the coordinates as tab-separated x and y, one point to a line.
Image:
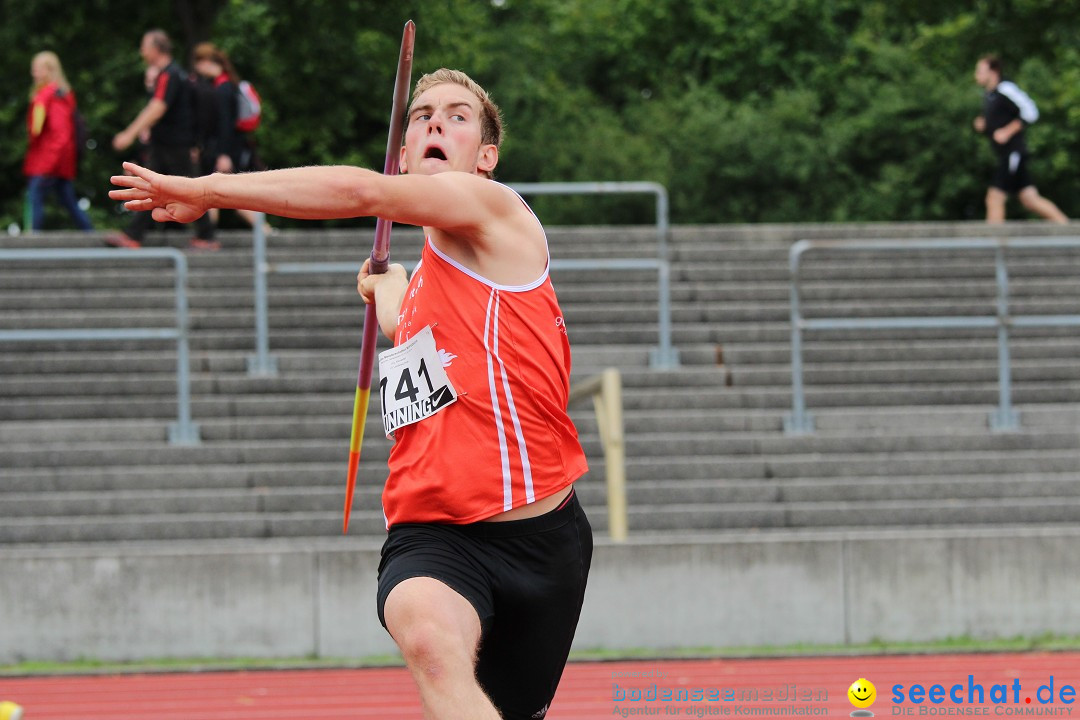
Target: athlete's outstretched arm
306	193
448	200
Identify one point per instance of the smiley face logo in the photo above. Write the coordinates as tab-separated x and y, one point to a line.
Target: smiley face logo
862	693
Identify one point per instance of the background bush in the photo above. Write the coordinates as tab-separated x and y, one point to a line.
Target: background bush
764	111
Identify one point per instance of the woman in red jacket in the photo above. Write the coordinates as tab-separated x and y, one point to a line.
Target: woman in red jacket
50	157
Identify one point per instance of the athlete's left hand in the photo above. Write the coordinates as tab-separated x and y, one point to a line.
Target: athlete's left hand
366	283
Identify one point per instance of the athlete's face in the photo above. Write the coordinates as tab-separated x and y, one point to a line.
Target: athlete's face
444	134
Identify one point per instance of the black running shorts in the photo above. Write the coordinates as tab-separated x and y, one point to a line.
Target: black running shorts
526	580
1011	174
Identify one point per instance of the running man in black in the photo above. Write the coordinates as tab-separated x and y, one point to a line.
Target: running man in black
1007	110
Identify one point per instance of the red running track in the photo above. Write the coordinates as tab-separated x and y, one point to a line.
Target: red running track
789	687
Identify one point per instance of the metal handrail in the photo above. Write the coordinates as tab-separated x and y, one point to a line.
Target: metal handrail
606	391
1004	418
611	188
183	431
263	363
663	356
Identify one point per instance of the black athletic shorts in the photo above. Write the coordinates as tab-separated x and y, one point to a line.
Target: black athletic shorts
1011	174
526	580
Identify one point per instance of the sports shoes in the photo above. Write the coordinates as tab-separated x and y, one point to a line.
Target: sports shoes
201	245
122	240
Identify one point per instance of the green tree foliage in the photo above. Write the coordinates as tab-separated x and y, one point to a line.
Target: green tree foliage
765	111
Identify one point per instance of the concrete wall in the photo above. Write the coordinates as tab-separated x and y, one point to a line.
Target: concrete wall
267	599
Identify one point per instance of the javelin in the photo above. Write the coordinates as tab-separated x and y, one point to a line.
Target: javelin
380	260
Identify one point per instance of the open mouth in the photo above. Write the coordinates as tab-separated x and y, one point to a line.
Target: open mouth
434	152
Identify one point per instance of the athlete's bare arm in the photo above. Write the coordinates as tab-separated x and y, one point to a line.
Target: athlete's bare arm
457	202
479	223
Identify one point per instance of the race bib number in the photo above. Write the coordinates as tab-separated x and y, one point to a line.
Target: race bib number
414	385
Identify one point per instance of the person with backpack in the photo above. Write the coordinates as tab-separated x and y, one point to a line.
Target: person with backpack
52	154
167	115
225	141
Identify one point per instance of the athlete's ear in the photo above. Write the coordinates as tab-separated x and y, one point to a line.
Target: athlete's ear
402	165
487	158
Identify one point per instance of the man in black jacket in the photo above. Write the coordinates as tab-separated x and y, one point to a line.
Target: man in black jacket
167	115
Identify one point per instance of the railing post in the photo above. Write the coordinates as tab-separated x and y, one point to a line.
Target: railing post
1004	419
799	422
261	363
608	404
664	356
662	220
183	431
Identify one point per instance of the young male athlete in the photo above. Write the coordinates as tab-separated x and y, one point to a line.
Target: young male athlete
484	567
1007	110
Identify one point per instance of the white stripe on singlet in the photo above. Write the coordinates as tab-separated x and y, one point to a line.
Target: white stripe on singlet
523	451
491	322
489	317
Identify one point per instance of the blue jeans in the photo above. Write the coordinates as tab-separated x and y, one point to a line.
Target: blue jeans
41	185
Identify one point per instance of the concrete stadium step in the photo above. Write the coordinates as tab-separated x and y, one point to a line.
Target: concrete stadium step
852	514
715	421
371	475
211	318
641	493
642	313
211	430
646	519
676	397
818	397
997	462
82	529
242	338
98	289
316	446
83	454
956	487
107	361
905	419
310	382
816	465
164	408
910	372
288	425
586	358
165	384
137	503
748	238
303	295
875	351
